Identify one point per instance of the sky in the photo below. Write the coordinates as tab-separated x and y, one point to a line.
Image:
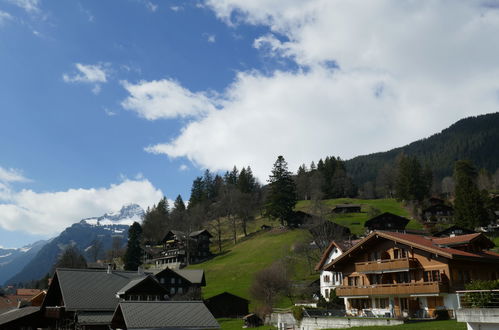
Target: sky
105	103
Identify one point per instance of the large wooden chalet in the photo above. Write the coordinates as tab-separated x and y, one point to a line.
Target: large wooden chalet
386	221
179	247
398	274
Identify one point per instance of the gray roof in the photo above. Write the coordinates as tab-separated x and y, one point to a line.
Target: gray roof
17	313
166	314
91	289
90	318
131	284
195	276
197	232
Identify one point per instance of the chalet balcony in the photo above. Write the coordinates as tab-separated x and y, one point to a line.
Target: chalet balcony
393	289
387	265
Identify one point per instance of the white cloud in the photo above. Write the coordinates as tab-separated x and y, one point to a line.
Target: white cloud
176	8
211	38
31	6
151	6
48	213
87	74
8	175
165	99
183	167
110	113
5	17
372	76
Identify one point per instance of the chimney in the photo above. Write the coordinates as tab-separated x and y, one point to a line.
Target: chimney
109	268
140	270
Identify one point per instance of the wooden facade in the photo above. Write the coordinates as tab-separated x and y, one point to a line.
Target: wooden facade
411	275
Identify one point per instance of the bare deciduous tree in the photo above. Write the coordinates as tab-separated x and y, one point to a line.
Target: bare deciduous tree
271	283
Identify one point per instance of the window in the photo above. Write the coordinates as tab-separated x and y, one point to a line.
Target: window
326	293
162	280
180	290
381	302
404	304
326	278
173	280
172	290
353	280
432	276
403	277
375	279
399	254
374	255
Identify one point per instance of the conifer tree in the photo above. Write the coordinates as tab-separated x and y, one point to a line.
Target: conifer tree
281	197
133	251
468	203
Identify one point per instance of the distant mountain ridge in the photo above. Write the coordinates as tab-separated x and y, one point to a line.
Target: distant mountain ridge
82	235
13	260
473	138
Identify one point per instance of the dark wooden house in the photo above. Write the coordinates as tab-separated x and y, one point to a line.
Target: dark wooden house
439	213
346	208
182	283
227	305
386	221
180	247
454	231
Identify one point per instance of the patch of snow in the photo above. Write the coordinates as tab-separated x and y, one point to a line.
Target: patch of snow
6	255
24	249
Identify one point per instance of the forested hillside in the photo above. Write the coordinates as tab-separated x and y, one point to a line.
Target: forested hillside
474	138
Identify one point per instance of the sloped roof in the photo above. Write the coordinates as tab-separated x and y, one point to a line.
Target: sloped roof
94	318
166	315
197	232
340	245
17	313
453	230
225	293
424	243
195	276
92	289
131	284
382	217
457	239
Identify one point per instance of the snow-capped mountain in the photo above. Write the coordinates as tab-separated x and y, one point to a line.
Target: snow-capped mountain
100	231
126	216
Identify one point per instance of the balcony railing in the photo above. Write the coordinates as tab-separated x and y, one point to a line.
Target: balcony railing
389	289
478	298
385	265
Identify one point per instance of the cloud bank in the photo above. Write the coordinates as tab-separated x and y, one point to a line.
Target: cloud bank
48	213
371	76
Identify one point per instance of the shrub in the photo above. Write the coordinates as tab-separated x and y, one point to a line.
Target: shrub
298	312
441	314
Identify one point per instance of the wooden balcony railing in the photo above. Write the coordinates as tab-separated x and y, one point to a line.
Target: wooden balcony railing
389	289
384	265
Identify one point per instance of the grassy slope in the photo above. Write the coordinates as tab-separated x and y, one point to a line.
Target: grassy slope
355	221
233	271
428	325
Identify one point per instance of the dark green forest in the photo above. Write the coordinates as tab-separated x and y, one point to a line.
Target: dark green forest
473	138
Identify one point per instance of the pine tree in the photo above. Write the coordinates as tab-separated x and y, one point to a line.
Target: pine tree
156	222
281	197
178	213
468	203
133	251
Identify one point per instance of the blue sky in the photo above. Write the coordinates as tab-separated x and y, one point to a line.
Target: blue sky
104	103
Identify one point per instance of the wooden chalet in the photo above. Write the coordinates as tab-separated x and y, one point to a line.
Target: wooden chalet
227	304
398	275
192	315
454	231
386	221
182	283
180	247
439	213
346	208
87	299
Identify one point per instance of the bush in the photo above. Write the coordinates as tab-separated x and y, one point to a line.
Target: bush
298	312
441	314
481	299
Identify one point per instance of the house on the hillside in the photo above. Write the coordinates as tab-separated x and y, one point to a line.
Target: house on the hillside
398	274
182	284
454	231
386	221
87	298
346	208
436	200
179	247
227	304
330	280
20	297
192	315
438	213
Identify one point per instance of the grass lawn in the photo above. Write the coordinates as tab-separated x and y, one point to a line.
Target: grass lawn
355	221
426	325
233	324
233	270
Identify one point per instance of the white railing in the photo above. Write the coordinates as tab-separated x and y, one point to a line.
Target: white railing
478	298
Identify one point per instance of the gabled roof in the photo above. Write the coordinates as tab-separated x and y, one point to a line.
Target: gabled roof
453	230
340	245
424	243
194	276
165	315
438	207
226	294
198	232
95	318
381	218
16	314
91	289
464	239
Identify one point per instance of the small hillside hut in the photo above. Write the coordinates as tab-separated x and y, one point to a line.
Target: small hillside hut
227	305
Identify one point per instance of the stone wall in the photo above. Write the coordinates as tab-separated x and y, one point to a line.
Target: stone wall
312	323
479	318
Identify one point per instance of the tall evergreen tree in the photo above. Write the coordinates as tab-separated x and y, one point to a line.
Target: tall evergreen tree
281	197
468	203
133	251
178	213
156	222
